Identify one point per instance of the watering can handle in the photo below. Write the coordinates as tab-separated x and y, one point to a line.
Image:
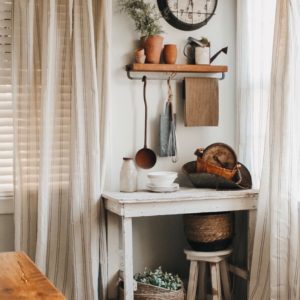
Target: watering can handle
188	44
193	40
184	50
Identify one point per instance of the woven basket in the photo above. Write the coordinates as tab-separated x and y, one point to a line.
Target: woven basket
209	232
205	167
150	292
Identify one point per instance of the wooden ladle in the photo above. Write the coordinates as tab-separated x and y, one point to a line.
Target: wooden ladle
145	158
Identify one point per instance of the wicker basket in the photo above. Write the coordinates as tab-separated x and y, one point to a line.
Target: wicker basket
209	232
205	167
150	292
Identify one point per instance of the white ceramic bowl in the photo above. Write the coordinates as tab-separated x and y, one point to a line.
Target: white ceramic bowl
161	179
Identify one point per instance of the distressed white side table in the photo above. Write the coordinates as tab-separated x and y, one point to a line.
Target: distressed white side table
145	204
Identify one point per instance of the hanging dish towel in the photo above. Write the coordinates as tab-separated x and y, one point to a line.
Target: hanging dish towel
201	102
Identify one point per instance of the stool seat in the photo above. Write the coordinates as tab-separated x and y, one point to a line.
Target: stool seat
215	256
219	274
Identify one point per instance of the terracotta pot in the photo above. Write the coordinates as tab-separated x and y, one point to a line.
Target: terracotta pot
139	55
170	54
153	48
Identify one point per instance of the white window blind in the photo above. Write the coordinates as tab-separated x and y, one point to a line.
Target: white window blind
6	117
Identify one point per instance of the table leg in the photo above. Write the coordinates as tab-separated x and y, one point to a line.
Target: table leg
128	258
250	236
113	264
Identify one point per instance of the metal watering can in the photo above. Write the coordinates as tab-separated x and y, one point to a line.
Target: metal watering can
190	49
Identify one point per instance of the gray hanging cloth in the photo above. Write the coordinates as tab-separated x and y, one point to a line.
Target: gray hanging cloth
168	141
165	124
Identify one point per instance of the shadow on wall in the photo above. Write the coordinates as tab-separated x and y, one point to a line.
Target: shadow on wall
160	233
7	233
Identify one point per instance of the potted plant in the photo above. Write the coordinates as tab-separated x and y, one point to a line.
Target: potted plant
157	284
204	42
146	21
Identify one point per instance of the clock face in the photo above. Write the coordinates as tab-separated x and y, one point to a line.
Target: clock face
187	14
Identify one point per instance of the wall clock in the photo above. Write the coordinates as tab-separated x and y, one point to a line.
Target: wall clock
187	14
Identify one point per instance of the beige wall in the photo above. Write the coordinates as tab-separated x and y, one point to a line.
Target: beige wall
159	241
6	233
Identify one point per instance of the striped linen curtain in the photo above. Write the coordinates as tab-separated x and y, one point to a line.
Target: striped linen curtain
61	90
255	26
275	263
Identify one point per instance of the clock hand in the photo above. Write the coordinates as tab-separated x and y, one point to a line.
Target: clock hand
192	5
187	8
189	4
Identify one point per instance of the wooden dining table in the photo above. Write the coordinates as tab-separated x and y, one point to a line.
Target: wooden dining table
20	279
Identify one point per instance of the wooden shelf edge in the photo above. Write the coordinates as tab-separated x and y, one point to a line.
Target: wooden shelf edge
176	68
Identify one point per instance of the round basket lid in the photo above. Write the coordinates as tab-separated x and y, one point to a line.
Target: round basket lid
220	155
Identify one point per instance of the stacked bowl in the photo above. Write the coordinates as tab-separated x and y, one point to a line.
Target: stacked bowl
162	182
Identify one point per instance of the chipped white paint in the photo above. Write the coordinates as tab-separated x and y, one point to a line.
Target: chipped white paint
182	194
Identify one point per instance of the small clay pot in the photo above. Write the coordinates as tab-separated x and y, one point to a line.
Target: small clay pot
170	53
153	49
140	56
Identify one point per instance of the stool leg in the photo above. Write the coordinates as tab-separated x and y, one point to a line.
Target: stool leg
193	278
225	279
216	281
202	282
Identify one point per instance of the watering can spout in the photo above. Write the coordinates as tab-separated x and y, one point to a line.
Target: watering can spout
224	50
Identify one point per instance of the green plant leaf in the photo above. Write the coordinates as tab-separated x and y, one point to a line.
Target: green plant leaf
144	15
159	278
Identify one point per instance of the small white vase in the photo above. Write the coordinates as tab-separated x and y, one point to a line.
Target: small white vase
202	55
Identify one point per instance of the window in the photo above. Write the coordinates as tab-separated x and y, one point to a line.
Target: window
6	109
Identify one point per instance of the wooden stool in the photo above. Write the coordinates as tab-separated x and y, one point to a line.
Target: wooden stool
219	273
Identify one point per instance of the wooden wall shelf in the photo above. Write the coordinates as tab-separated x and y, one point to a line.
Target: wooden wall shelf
177	68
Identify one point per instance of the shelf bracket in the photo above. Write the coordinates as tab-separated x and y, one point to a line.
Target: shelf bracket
223	76
129	75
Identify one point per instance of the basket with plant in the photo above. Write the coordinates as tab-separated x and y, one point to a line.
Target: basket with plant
156	285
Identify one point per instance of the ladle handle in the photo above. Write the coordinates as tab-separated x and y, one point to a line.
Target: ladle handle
146	110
